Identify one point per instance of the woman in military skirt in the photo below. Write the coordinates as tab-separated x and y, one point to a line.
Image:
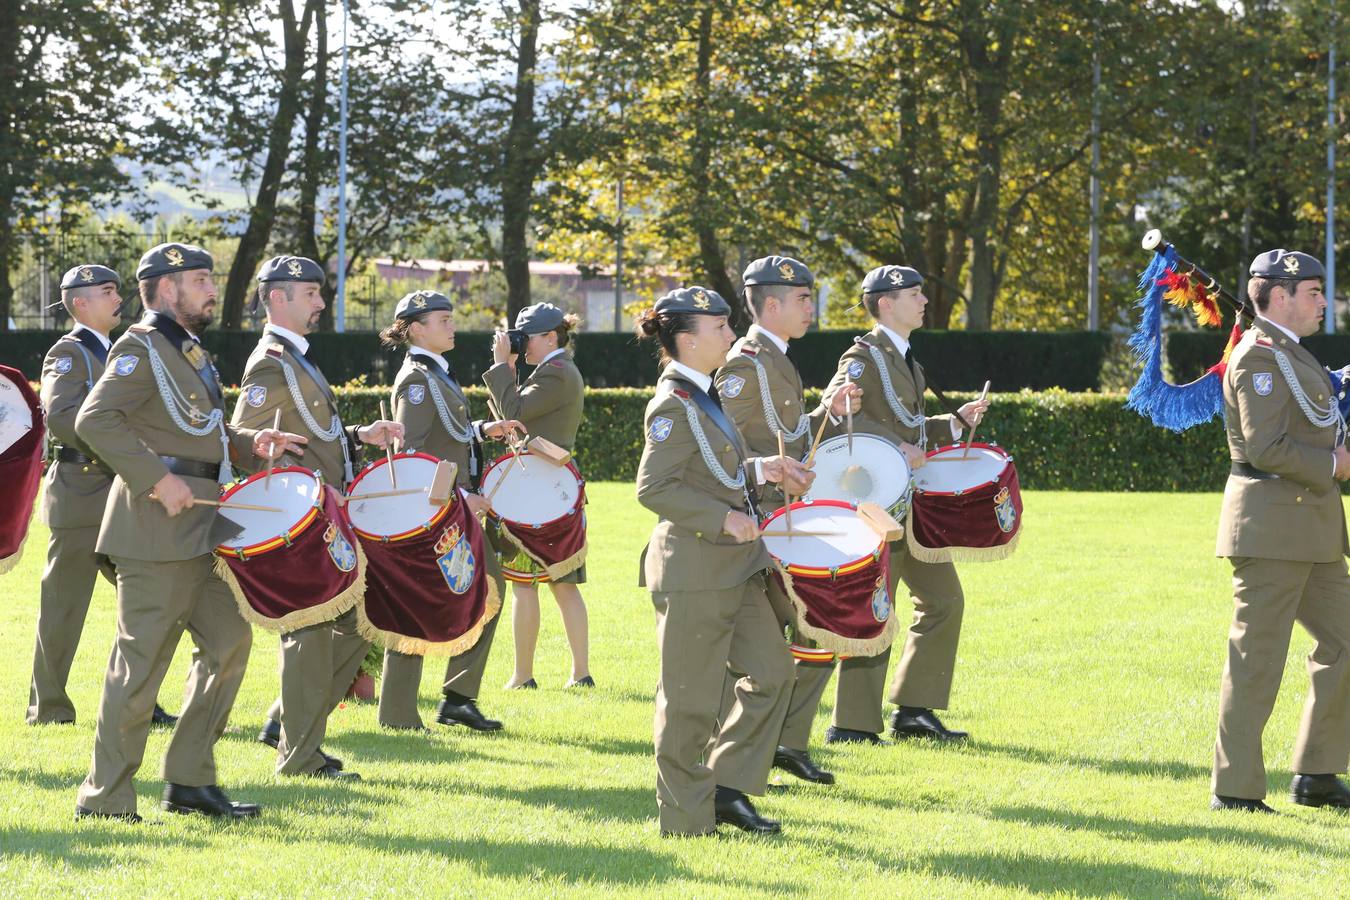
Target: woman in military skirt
549	403
705	567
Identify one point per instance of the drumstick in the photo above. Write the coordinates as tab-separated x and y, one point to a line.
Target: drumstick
848	412
514	445
230	505
971	439
802	533
403	492
811	457
787	498
272	453
389	449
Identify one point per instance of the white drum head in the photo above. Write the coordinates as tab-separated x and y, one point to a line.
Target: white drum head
542	493
390	516
946	472
875	472
855	541
295	492
16	418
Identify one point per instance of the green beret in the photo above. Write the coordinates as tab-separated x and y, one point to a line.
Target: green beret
539	318
88	276
778	270
167	259
699	300
890	278
291	268
418	302
1287	265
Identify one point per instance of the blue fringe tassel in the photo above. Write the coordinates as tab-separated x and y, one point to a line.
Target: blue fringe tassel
1173	406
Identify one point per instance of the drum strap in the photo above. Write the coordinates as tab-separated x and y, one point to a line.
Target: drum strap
713	411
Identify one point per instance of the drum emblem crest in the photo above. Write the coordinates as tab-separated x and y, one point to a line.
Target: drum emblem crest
1004	511
455	559
731	388
340	549
881	601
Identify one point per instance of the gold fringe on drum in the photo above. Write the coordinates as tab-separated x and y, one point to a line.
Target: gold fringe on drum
553	570
312	615
402	643
828	640
957	554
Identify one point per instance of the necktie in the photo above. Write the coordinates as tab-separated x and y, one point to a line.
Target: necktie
909	361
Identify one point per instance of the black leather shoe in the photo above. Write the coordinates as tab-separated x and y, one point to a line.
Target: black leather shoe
584	681
1319	790
528	685
907	722
208	800
82	813
835	735
160	717
465	712
270	734
799	763
1242	803
328	770
331	760
734	808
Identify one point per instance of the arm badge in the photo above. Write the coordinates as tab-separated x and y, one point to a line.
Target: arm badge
855	369
416	393
125	364
62	365
732	386
1263	383
660	428
255	395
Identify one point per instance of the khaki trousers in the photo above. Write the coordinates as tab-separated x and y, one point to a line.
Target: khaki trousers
155	602
67	586
1268	597
403	676
705	638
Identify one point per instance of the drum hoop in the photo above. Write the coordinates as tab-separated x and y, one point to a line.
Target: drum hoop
576	507
847	568
404	535
287	537
1007	461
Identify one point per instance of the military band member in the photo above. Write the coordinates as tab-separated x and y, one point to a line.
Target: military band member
157	418
318	661
893	384
77	486
705	567
1282	526
549	404
761	390
430	404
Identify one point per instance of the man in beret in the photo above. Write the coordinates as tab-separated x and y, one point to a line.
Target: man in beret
1282	526
77	486
320	660
761	391
893	384
156	417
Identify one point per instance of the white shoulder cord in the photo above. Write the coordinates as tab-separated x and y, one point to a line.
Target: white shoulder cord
327	435
176	406
1320	417
734	484
907	418
770	414
461	433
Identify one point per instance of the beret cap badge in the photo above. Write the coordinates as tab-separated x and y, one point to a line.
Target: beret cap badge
1291	264
786	270
86	274
420	302
295	268
896	276
174	256
701	300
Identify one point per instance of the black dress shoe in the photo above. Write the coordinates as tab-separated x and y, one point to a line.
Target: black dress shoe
82	813
799	763
734	808
911	722
584	681
331	760
270	734
527	685
835	735
160	717
1319	790
209	800
454	711
328	770
1242	803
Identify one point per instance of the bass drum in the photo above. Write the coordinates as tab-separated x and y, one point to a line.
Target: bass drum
873	471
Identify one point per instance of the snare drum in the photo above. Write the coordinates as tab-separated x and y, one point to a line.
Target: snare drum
291	568
875	471
539	517
387	519
837	582
21	434
966	506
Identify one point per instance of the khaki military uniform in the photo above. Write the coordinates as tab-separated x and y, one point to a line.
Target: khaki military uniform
924	675
165	576
713	621
318	662
72	508
1283	528
414	395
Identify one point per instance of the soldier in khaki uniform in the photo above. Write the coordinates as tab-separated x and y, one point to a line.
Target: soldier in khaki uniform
705	569
429	403
549	404
1282	527
893	384
157	418
318	662
761	390
77	487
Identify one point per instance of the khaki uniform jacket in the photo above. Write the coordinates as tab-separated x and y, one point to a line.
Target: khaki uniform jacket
548	404
1297	516
264	389
744	401
414	406
876	416
687	550
125	423
75	493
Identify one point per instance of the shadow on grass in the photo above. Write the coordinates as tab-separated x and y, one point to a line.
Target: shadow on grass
1083	878
95	845
1138	767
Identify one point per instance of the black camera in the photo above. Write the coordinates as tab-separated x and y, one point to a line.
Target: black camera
518	340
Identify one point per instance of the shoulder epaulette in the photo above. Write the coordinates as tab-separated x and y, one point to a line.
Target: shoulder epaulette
274	351
681	393
747	350
556	363
1262	342
140	328
863	341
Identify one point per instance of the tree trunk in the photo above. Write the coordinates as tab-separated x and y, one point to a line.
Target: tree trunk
307	212
711	257
520	165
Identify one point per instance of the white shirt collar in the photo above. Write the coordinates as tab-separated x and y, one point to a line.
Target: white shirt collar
553	354
901	344
697	377
300	341
764	334
434	357
1264	321
107	344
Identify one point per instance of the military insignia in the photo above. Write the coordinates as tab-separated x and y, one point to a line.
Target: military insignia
895	276
701	300
855	369
274	351
420	301
174	256
340	549
416	393
456	560
256	395
62	365
881	601
86	274
1263	382
660	428
731	388
1291	265
125	364
295	268
195	355
1005	511
785	269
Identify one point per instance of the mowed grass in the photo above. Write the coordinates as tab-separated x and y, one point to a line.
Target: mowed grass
1088	676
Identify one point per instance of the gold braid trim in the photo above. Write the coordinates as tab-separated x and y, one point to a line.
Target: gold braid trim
555	570
958	554
313	615
9	562
828	640
401	643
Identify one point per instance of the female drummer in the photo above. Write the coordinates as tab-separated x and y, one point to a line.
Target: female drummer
549	403
705	568
429	402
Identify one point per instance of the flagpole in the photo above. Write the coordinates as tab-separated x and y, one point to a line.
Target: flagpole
340	301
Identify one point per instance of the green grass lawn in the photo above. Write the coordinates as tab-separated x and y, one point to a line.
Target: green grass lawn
1088	677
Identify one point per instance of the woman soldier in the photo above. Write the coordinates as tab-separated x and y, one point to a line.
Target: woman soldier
705	569
429	402
549	403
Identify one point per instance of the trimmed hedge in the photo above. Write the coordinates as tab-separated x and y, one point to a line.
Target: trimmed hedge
1190	353
955	360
